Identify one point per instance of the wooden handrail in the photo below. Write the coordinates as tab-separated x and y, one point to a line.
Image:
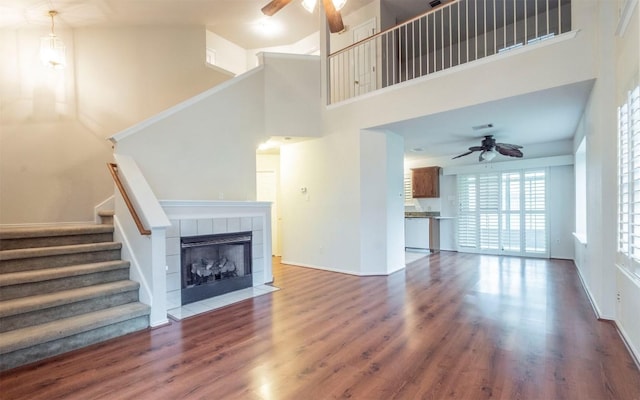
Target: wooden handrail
407	22
113	168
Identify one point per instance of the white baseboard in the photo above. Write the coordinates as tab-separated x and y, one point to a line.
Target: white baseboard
635	353
594	305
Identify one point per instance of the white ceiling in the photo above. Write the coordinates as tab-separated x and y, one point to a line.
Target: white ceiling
235	20
533	119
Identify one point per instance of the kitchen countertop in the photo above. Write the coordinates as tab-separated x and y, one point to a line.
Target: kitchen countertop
425	214
421	214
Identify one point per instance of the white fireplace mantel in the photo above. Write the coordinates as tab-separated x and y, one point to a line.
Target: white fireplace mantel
198	217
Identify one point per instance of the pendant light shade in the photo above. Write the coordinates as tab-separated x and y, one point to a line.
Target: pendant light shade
52	49
489	155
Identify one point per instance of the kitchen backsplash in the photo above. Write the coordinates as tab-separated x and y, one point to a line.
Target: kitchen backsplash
434	205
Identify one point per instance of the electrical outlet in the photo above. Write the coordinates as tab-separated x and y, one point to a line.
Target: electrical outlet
618	297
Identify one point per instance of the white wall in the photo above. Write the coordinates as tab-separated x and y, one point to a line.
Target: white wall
292	95
53	123
271	163
51	172
597	125
52	168
382	208
228	55
205	148
561	211
321	226
309	45
448	208
205	151
127	74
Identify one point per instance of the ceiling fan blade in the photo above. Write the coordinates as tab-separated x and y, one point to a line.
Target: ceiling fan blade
476	148
506	151
511	146
463	154
274	6
333	17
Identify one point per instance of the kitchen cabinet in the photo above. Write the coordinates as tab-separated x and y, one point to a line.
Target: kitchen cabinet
425	182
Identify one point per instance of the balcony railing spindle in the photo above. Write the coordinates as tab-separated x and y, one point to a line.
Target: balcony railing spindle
418	47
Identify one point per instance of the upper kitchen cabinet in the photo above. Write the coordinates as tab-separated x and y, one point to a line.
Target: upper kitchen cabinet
425	182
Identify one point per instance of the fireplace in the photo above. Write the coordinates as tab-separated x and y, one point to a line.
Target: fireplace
215	264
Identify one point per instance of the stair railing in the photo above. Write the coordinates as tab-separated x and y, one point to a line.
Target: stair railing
456	33
113	168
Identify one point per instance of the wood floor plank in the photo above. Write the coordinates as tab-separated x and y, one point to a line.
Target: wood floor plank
450	326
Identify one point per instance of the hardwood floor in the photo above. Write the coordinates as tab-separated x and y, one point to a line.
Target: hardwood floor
451	326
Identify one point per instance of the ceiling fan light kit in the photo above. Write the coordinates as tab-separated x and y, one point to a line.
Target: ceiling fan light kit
331	8
310	5
489	149
488	155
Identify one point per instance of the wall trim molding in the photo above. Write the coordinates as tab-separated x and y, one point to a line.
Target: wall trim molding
181	106
625	16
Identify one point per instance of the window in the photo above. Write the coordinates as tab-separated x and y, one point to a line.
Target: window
629	182
408	189
503	213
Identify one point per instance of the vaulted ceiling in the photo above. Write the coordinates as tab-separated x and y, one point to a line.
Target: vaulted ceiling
544	117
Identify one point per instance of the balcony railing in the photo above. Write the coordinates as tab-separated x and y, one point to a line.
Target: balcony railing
456	33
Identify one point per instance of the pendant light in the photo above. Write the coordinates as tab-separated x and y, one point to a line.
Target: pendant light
52	49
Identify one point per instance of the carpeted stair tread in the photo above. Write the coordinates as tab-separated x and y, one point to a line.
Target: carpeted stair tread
30	336
64	230
57	250
16	278
64	297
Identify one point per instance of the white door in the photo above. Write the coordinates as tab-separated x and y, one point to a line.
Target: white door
266	190
364	58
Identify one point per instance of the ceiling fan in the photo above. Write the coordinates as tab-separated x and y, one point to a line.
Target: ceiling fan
489	147
331	9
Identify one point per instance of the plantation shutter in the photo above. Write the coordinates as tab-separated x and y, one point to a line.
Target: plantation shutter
624	185
629	182
467	226
535	224
408	189
488	207
510	207
503	212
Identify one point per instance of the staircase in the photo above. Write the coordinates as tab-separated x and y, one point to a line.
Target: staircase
63	288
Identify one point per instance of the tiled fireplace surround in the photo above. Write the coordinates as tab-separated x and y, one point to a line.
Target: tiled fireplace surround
213	224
